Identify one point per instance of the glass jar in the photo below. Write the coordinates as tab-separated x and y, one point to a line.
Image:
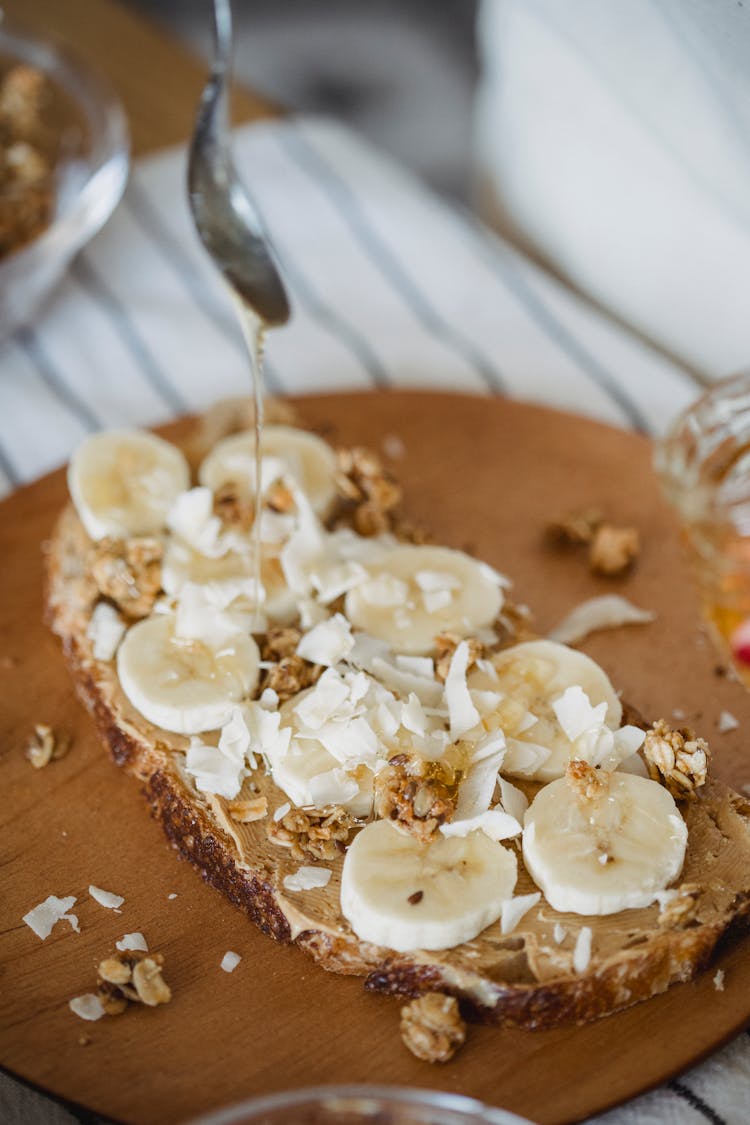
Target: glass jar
703	462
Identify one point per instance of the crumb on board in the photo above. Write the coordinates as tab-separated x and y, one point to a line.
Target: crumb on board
46	745
432	1027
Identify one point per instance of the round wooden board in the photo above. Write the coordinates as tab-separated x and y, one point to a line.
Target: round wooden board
485	474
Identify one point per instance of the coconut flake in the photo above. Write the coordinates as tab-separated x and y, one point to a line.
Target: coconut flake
413	717
400	679
609	611
305	547
514	909
323	701
200	617
106	629
87	1007
727	722
269	699
106	898
576	715
463	714
327	643
192	519
333	787
513	800
351	741
172	895
230	961
495	823
281	811
44	917
337	578
559	933
213	771
524	758
582	951
477	788
307	879
418	665
136	940
385	591
435	600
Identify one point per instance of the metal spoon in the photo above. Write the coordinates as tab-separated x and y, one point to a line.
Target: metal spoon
228	224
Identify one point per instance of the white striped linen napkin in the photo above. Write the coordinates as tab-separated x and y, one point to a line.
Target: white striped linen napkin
390	286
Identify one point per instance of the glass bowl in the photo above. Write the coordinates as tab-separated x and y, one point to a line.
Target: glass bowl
361	1105
90	172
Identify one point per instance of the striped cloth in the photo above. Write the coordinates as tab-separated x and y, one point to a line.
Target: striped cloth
389	287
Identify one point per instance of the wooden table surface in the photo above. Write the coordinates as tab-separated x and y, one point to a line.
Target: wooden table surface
157	79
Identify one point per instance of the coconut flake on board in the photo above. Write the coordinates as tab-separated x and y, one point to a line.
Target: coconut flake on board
135	941
44	917
230	961
727	722
106	898
609	611
87	1007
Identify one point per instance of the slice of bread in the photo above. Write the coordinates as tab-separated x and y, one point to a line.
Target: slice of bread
525	979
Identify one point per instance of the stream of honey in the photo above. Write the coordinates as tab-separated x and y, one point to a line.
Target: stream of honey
254	332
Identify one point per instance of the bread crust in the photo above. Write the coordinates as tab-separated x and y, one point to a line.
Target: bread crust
518	981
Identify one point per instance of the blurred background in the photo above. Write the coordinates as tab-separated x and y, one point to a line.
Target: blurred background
403	73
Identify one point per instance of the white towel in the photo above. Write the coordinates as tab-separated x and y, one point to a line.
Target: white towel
389	286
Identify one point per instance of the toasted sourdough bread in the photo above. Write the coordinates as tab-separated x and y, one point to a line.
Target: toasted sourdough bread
526	979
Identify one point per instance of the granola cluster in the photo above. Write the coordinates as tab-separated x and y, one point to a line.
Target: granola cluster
680	909
288	673
234	506
586	782
575	528
128	572
131	977
416	795
432	1028
312	834
368	491
612	549
676	758
46	745
445	646
27	195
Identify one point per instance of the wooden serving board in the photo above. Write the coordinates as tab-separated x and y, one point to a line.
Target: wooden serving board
485	475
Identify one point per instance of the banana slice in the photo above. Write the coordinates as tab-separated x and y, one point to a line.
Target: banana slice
185	686
404	895
231	576
611	851
310	460
531	677
414	593
123	482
